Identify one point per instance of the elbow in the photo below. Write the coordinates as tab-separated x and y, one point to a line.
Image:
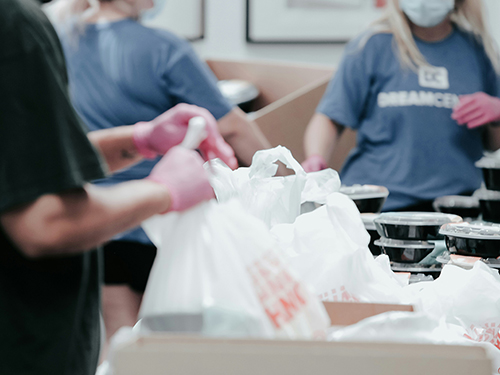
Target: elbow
44	241
41	245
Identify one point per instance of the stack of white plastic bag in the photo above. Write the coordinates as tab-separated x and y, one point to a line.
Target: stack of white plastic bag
327	247
218	271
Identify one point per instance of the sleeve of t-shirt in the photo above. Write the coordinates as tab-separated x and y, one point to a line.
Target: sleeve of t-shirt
346	94
491	76
492	81
43	145
189	80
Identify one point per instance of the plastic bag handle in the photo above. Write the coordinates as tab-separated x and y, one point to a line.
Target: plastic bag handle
263	163
196	133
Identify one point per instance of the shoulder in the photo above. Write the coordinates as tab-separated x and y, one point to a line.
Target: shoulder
147	37
24	27
470	40
369	50
370	43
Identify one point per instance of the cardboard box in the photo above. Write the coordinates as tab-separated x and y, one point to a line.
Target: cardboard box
289	96
347	313
166	354
163	354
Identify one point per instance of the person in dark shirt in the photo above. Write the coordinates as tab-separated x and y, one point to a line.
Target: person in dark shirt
51	219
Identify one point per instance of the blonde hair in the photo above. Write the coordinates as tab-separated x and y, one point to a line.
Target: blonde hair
468	15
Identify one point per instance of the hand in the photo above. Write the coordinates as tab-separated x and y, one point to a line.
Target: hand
181	171
314	163
156	137
476	110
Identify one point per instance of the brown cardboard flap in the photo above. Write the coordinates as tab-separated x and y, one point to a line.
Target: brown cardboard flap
160	355
284	122
347	313
274	80
289	95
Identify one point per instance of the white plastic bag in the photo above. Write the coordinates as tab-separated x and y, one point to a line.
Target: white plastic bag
274	200
328	248
410	327
469	299
217	273
319	185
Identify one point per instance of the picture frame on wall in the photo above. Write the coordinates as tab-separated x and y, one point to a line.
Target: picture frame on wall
309	21
185	18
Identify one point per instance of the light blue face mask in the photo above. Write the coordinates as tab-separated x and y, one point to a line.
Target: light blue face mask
149	14
427	13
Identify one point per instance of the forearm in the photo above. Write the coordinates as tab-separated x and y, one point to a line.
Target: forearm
321	136
79	220
242	135
117	147
492	137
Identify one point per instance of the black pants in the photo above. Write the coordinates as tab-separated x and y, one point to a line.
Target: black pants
128	263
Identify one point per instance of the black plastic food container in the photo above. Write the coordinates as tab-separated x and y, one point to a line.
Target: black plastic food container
491	172
368	198
489	201
420	226
240	93
402	251
463	206
479	240
372	231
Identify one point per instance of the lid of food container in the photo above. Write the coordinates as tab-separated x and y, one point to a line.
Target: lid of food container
364	191
368	220
487	195
416	268
404	244
473	231
486	223
417	218
457	201
238	91
488	162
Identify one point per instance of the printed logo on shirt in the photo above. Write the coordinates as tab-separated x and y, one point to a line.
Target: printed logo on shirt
417	98
433	77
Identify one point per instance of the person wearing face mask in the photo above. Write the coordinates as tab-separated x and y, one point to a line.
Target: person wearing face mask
123	72
421	88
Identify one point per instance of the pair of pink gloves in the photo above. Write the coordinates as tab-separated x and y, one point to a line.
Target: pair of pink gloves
472	110
181	170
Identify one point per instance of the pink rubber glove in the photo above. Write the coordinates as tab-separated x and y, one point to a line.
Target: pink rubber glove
476	110
181	171
314	163
156	137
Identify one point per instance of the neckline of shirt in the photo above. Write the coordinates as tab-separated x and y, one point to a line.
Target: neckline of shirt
437	42
108	24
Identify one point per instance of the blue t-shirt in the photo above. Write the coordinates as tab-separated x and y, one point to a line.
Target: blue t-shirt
406	138
122	72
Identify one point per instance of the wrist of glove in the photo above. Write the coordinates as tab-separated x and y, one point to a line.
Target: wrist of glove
181	172
476	110
314	163
141	135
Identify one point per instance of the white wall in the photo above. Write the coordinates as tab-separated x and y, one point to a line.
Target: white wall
225	37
